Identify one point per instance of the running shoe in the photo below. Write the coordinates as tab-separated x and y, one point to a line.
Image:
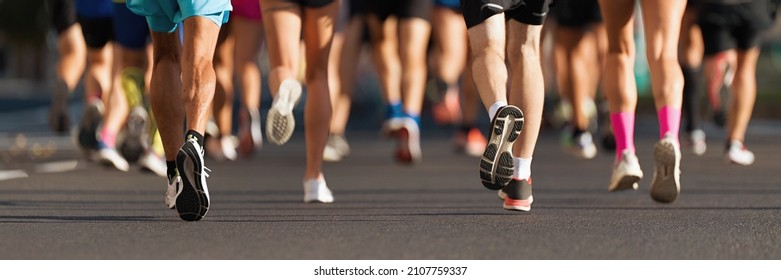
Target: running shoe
336	148
517	195
471	143
580	145
228	148
136	135
626	173
153	163
446	103
315	190
88	126
496	164
173	191
59	120
738	154
280	122
192	203
697	142
408	142
111	157
250	134
666	183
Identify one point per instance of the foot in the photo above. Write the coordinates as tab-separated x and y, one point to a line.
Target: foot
150	161
408	142
280	122
136	137
626	173
471	143
173	190
59	120
580	145
336	148
666	183
192	203
88	126
738	154
697	142
250	134
517	195
111	157
315	190
496	164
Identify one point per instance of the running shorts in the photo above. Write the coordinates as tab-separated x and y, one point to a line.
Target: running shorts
733	26
311	3
248	9
97	31
400	8
130	30
63	14
532	12
166	15
577	13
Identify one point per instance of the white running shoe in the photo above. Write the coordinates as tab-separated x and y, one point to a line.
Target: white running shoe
582	146
228	148
150	161
626	173
737	153
173	190
280	122
408	142
110	156
315	190
697	142
666	183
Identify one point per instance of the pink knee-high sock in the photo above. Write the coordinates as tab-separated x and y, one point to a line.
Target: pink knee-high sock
624	131
669	121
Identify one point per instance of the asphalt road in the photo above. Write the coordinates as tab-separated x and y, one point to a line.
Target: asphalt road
75	209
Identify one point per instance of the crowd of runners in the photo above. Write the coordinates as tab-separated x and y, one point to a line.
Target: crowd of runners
160	77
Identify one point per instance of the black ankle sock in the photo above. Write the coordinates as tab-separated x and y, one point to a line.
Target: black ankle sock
171	168
195	134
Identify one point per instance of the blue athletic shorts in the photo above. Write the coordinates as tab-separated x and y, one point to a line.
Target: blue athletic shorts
94	8
165	15
130	30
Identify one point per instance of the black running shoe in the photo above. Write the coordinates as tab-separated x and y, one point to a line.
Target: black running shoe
193	201
496	165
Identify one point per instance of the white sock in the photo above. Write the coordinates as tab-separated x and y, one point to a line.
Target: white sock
494	108
523	168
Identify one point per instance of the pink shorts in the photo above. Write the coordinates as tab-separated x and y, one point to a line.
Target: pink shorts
249	9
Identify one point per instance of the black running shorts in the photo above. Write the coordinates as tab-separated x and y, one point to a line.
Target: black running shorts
63	14
733	26
400	8
311	3
532	12
577	13
97	31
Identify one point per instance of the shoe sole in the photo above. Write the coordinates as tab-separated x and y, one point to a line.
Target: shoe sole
518	205
496	164
88	128
665	185
409	144
193	202
135	143
628	182
280	122
59	120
